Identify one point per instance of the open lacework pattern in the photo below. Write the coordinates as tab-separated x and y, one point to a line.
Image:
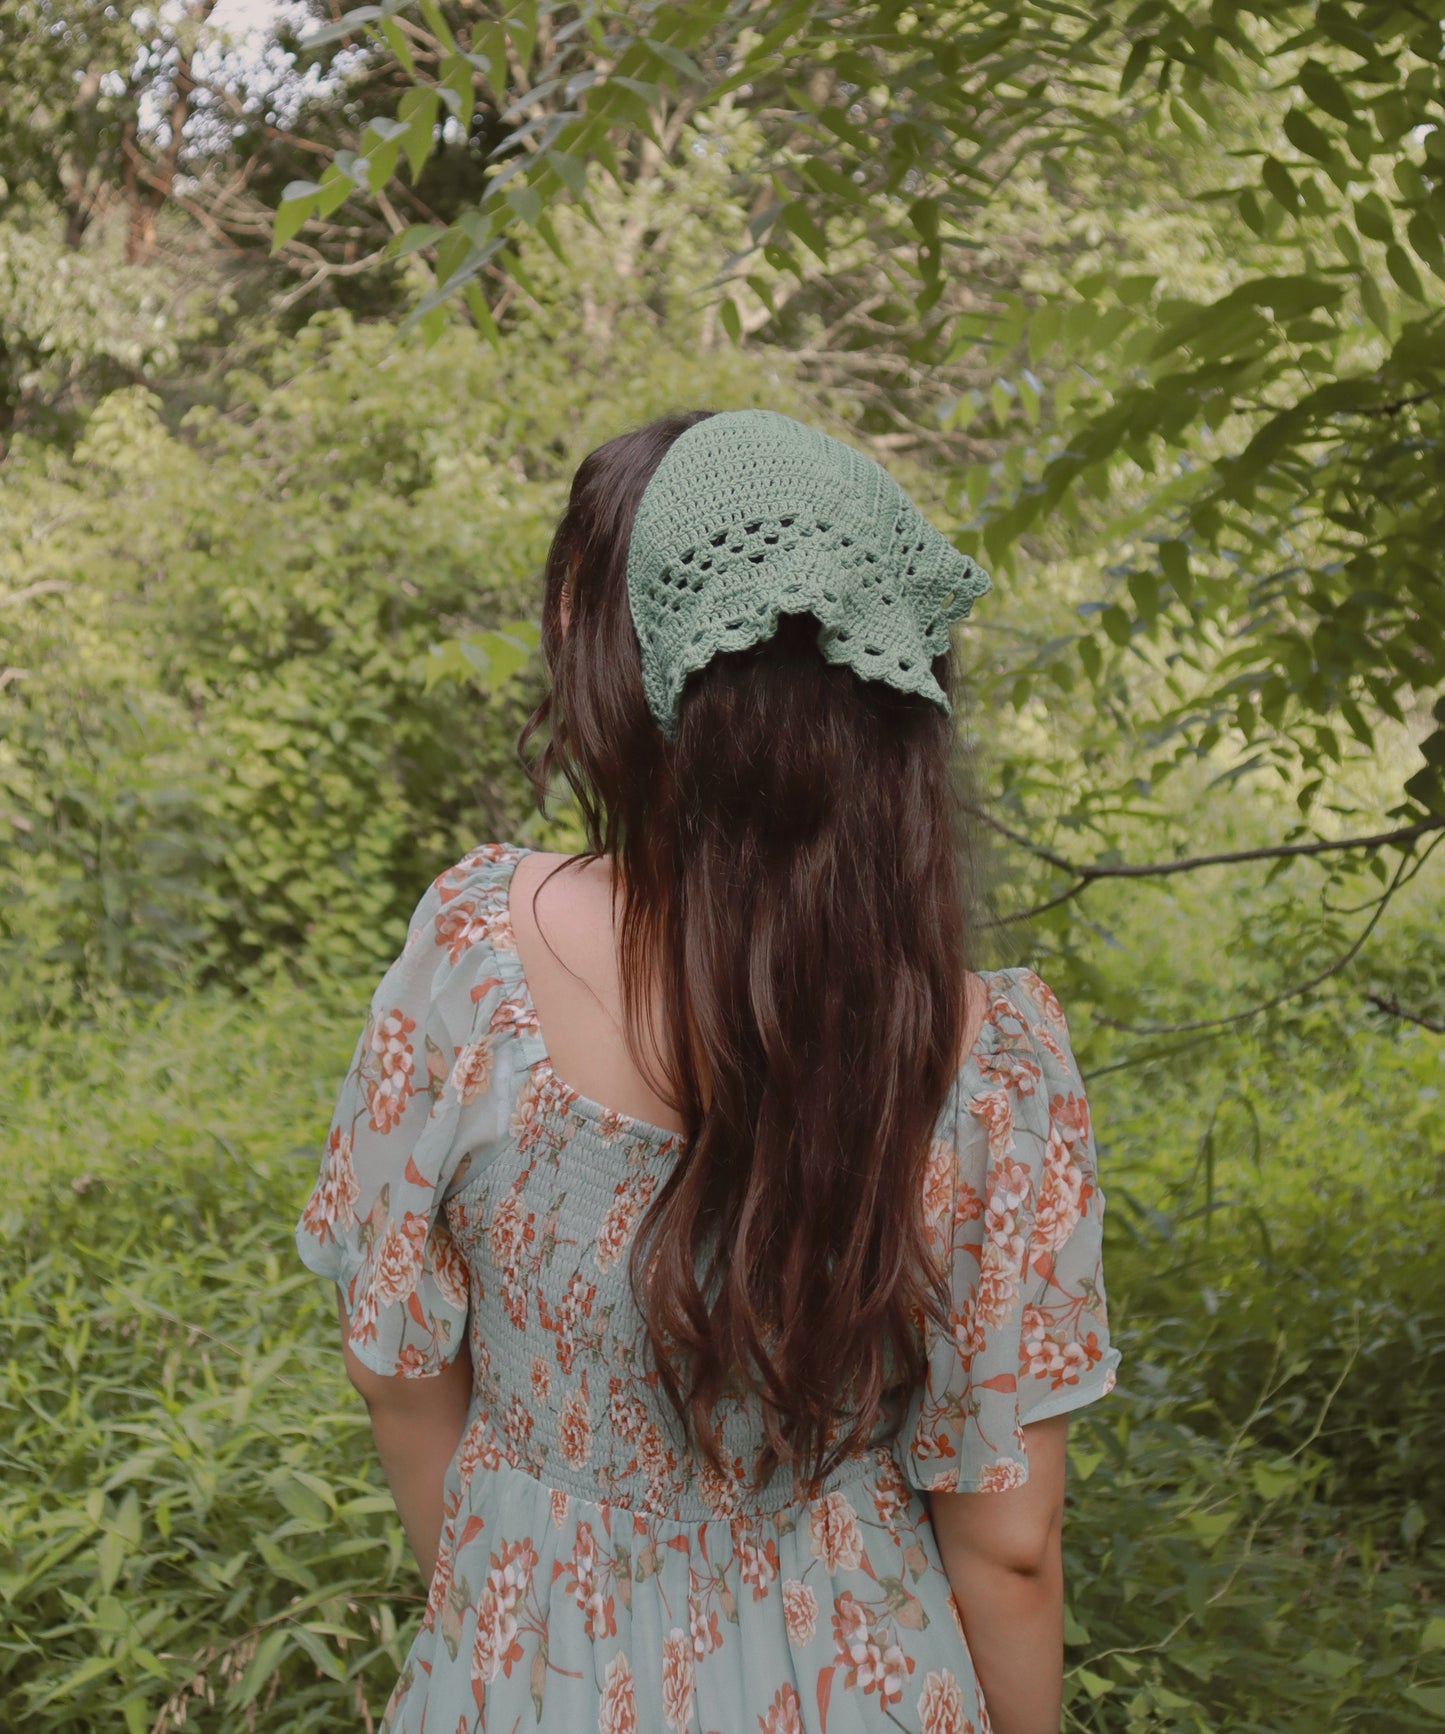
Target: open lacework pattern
732	533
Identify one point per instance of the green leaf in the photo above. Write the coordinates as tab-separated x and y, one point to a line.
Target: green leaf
1397	261
731	319
1116	623
1325	91
570	170
1279	184
1305	135
263	1665
796	219
294	209
412	240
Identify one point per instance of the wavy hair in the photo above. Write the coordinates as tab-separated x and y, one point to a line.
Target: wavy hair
795	875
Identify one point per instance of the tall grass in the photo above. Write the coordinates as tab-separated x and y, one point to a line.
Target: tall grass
194	1532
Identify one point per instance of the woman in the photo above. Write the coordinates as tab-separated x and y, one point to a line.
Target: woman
717	1258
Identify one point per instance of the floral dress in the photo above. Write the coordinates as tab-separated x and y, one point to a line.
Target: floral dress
591	1573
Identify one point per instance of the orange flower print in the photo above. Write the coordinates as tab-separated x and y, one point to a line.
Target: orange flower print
785	1713
396	1062
1063	1192
479	1450
574	1428
541	1378
517	1423
800	1612
677	1679
1009	1186
620	1222
757	1566
938	1181
448	1267
706	1632
969	1336
834	1535
561	1502
617	1712
940	1705
1001	1476
397	1267
995	1109
333	1203
496	1639
459	927
472	1071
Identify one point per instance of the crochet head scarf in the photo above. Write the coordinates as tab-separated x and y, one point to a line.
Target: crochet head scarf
751	515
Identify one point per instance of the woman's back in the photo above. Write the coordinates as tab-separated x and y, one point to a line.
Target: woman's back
593	1570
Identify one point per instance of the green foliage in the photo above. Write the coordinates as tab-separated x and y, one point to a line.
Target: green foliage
192	1513
230	745
1260	457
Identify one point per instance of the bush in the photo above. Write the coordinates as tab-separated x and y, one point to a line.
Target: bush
192	1514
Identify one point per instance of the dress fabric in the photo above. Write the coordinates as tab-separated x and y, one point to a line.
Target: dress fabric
591	1573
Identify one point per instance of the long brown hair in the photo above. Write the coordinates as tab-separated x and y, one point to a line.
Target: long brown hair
793	876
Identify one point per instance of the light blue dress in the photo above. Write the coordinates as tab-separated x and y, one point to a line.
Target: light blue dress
591	1574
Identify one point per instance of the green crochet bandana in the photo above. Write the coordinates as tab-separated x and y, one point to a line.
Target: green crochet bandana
751	515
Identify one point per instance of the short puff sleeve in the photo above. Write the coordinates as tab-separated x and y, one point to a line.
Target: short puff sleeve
417	1105
1015	1211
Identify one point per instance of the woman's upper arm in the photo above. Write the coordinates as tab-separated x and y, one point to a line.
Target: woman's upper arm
383	1390
1015	1529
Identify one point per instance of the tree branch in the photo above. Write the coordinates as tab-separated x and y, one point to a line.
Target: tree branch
1395	1010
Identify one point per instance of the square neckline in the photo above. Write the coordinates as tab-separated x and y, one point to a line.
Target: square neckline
632	1124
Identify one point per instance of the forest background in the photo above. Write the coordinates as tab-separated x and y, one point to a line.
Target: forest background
305	322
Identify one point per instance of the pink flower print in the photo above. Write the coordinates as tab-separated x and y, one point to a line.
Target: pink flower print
677	1679
654	1458
938	1180
718	1490
706	1632
883	1669
617	1712
574	1428
396	1268
491	1640
449	1268
612	1126
969	1335
561	1503
386	1102
1063	1192
800	1612
478	1450
618	1225
1001	1476
834	1536
757	1566
516	1015
625	1415
967	1205
1046	1000
441	1578
851	1634
472	1071
785	1713
543	1103
517	1424
573	1310
332	1204
541	1379
363	1317
995	1109
460	926
940	1705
